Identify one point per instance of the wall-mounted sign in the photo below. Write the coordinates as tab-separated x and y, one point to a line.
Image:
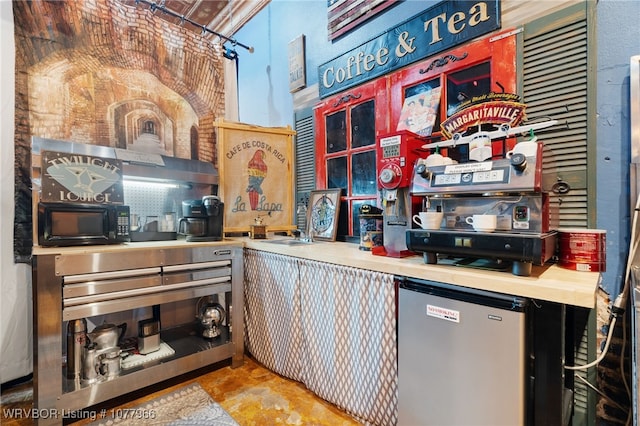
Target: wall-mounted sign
492	108
297	70
447	24
256	176
77	178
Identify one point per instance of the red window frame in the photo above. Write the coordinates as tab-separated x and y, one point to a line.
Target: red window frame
376	90
388	93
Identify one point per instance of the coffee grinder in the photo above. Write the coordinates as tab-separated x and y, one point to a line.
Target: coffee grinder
396	154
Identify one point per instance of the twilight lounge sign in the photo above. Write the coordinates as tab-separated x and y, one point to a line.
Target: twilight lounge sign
76	178
447	24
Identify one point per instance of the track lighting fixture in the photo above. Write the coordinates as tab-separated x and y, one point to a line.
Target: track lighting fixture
160	6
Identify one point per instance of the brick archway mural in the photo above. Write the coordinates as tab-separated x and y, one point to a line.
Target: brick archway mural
110	74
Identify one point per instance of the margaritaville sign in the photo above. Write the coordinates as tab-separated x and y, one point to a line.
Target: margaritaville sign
447	24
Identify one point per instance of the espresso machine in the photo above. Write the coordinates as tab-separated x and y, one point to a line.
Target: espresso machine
396	154
509	188
202	219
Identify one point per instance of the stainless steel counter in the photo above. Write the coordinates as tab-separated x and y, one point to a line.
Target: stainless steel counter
131	247
549	282
97	281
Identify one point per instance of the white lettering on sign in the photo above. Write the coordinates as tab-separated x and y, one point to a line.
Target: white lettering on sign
82	160
356	65
456	22
443	313
485	112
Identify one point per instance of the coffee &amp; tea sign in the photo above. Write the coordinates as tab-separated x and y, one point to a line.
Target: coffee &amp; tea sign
256	176
447	24
78	178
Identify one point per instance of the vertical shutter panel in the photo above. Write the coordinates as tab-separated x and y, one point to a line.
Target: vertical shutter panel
305	165
555	86
555	82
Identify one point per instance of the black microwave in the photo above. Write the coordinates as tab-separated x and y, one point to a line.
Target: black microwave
65	224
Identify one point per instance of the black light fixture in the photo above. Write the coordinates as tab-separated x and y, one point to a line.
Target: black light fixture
160	6
230	53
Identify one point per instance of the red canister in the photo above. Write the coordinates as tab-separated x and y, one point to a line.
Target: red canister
583	249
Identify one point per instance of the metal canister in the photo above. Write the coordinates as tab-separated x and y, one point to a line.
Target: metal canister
76	341
370	227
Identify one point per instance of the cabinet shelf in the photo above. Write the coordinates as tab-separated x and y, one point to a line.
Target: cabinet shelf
85	285
191	352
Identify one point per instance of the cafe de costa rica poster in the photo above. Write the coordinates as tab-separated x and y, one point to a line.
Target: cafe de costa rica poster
255	166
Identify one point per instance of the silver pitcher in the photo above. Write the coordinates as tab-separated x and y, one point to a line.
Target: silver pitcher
110	363
91	363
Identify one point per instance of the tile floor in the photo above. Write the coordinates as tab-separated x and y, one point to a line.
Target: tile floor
252	394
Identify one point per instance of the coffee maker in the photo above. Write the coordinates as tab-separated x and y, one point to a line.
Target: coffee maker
396	154
202	219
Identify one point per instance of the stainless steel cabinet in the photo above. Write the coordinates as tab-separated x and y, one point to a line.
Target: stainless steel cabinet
68	285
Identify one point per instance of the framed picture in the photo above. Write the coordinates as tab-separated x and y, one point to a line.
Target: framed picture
297	70
322	213
256	176
419	112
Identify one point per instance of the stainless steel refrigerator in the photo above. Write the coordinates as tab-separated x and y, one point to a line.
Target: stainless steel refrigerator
462	356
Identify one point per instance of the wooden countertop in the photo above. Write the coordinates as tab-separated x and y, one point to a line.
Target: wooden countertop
548	282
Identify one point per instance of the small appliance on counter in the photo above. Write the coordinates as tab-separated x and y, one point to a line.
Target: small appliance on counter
509	192
202	219
76	224
145	185
396	154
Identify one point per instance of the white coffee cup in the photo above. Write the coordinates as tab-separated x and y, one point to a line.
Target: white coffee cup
528	149
428	220
483	222
435	160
